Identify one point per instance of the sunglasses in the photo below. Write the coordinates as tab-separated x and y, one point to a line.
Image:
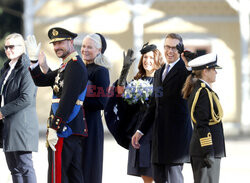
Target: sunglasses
10	47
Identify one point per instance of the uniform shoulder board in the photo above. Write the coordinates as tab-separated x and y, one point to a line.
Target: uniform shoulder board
74	58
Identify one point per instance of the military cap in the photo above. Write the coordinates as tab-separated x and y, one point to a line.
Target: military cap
147	48
60	34
204	62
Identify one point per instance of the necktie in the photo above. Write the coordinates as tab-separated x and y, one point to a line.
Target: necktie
165	72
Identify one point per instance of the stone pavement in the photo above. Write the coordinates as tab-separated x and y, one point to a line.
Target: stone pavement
234	168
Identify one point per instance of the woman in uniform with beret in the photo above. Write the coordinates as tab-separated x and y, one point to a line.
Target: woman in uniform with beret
207	145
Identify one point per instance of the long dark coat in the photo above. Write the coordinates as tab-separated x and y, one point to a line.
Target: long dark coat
168	110
20	130
122	120
95	101
139	160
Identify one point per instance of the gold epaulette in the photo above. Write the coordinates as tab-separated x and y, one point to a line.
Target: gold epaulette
216	118
74	58
206	141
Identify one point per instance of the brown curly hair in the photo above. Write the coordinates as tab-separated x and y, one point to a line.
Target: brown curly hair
158	61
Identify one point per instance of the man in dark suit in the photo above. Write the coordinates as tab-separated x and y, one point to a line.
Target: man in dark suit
172	128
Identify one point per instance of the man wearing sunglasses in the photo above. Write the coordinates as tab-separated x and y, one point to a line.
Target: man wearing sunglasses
18	111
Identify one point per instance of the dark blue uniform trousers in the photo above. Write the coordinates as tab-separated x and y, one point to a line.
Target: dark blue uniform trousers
20	165
68	160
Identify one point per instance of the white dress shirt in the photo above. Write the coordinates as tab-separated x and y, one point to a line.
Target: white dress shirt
12	64
167	68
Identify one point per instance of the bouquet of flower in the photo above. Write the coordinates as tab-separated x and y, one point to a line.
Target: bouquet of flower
137	90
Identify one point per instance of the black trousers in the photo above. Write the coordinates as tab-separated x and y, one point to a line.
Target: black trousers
68	161
168	173
203	174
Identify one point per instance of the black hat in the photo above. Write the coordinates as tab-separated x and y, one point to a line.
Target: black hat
60	34
104	44
204	62
147	48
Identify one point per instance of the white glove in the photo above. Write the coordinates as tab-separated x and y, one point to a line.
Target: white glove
32	48
52	138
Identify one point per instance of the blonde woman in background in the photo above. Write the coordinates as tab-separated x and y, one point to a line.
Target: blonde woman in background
18	111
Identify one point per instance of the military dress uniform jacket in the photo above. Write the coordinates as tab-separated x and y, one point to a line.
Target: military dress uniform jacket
168	111
208	136
68	82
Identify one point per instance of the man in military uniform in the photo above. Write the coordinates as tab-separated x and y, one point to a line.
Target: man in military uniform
66	123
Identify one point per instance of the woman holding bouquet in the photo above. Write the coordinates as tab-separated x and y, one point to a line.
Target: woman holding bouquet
123	114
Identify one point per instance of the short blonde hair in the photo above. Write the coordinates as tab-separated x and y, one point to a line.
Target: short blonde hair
17	37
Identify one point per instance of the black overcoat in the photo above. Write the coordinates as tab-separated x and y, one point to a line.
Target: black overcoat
96	100
168	110
122	121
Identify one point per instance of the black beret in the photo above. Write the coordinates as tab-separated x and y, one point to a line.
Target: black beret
147	48
60	34
104	43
